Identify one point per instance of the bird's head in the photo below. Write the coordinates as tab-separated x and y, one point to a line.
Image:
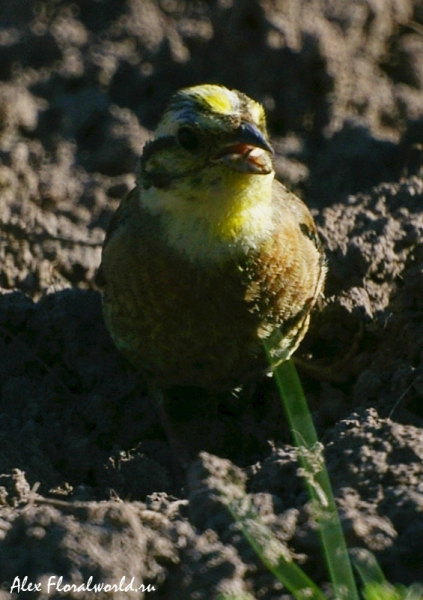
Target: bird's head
206	130
210	160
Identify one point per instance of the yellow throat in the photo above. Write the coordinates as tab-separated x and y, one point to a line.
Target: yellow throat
214	217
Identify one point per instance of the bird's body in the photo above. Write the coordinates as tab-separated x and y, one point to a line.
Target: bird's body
209	255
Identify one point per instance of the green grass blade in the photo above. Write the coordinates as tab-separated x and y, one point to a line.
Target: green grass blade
375	585
386	591
317	480
272	552
367	566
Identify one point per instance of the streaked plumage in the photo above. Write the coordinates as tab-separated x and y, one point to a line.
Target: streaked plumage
209	255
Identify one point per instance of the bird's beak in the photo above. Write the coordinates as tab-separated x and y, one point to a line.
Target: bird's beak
247	152
248	133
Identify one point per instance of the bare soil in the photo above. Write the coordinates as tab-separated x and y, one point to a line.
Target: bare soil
86	481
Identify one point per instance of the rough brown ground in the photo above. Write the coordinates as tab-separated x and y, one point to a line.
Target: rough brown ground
82	84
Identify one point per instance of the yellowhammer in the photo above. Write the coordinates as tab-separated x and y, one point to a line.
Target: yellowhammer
209	255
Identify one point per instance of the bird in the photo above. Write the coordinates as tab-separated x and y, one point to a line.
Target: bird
209	256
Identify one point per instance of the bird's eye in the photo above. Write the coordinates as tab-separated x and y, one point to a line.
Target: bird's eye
188	138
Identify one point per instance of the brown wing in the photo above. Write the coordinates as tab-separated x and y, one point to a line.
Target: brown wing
301	212
296	277
118	221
